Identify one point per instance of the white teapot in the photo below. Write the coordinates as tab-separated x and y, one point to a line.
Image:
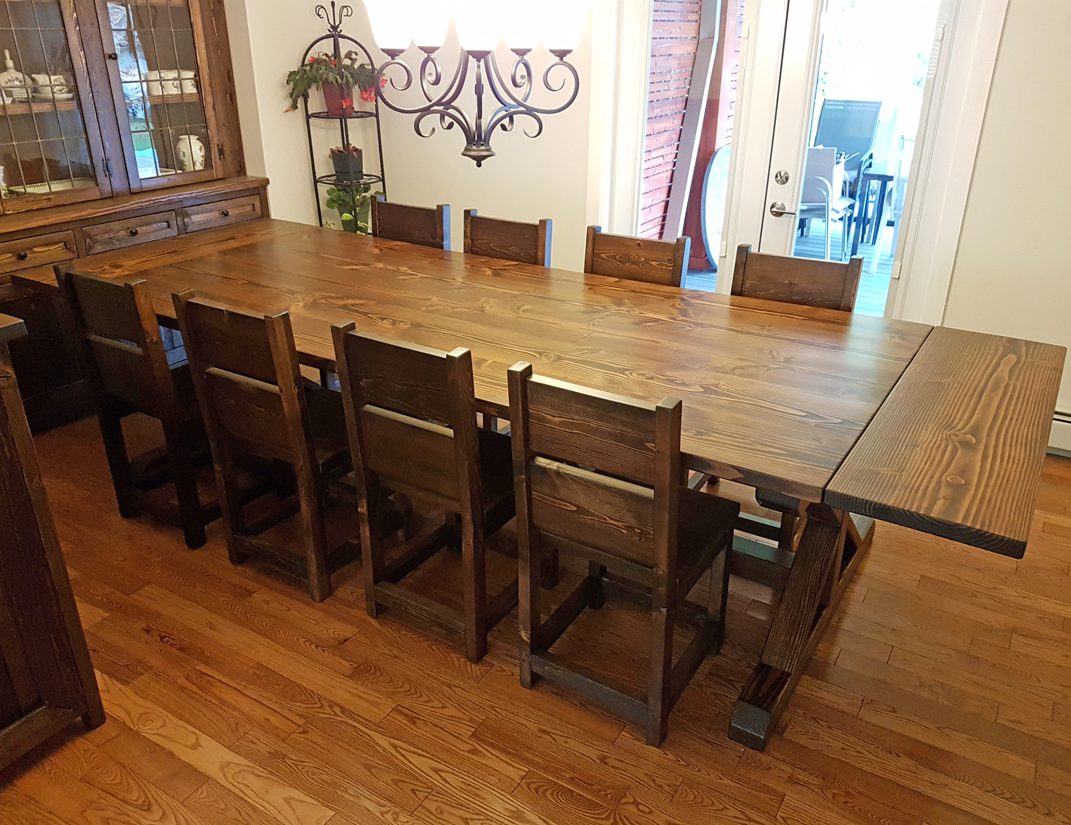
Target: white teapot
190	153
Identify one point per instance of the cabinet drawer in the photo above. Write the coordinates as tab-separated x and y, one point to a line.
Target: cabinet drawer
221	213
104	237
39	250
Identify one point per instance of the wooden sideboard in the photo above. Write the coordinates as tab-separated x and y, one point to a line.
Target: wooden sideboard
47	361
46	678
119	126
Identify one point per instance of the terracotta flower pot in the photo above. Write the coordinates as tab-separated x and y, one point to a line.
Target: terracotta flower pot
338	99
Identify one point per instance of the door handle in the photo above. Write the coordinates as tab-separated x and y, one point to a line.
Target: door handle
778	209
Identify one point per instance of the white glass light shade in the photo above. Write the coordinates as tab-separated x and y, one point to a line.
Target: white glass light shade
430	22
479	24
563	23
520	23
392	23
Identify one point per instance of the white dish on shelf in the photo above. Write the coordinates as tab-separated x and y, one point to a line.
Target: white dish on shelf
54	186
59	98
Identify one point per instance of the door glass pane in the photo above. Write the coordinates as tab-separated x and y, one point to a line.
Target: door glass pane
161	87
867	105
44	148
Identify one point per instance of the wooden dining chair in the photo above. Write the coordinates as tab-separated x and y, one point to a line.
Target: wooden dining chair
256	405
601	475
828	284
637	259
527	243
411	417
130	372
412	224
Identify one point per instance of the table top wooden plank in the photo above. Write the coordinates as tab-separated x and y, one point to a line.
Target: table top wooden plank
774	396
956	450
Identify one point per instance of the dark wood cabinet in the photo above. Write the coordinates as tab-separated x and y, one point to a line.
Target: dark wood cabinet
118	127
46	678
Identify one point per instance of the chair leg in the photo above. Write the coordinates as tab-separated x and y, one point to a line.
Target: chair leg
596	578
663	619
372	551
111	432
474	572
787	541
549	570
184	477
718	591
529	611
230	507
315	532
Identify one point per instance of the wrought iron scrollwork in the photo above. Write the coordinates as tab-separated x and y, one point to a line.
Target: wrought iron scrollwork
334	16
511	94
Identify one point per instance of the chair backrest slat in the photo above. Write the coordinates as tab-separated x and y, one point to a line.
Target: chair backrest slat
410	452
411	416
828	284
637	259
121	337
249	412
608	433
592	509
411	224
527	243
246	373
601	470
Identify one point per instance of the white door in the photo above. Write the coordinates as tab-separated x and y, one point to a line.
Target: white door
834	97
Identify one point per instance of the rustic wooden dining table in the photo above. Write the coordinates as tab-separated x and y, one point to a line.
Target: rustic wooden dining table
853	417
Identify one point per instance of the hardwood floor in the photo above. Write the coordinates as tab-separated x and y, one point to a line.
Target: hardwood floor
940	696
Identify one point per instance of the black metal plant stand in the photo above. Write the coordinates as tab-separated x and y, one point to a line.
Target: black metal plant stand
334	17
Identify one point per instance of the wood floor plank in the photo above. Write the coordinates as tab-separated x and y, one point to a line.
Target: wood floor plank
247	780
940	696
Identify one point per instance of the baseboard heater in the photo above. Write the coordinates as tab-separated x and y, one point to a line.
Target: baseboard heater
1060	441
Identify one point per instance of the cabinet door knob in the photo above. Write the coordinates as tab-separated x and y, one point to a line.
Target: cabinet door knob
134	231
225	213
22	256
112	56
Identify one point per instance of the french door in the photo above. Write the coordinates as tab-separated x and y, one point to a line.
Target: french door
834	101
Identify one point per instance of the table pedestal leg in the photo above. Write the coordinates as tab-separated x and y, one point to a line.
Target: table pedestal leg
829	551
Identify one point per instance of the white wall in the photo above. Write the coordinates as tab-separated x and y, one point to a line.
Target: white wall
565	174
1012	273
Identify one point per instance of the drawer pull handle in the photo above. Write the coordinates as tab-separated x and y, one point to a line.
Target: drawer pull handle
225	213
22	256
134	232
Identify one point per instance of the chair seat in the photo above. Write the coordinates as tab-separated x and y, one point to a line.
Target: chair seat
185	395
327	416
703	519
496	471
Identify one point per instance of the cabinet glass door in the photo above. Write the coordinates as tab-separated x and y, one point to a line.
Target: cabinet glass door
161	90
50	146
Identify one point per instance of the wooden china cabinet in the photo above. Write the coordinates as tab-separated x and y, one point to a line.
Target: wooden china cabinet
118	127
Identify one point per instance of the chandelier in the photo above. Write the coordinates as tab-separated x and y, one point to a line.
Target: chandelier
501	97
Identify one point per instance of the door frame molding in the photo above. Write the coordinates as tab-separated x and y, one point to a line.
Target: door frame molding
934	214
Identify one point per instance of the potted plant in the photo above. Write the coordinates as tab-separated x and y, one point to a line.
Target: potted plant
336	78
348	162
354	206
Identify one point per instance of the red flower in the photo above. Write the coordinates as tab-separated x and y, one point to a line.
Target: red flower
347	102
312	59
368	95
333	61
383	83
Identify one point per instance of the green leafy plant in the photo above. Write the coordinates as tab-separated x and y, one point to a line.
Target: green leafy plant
324	69
354	206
